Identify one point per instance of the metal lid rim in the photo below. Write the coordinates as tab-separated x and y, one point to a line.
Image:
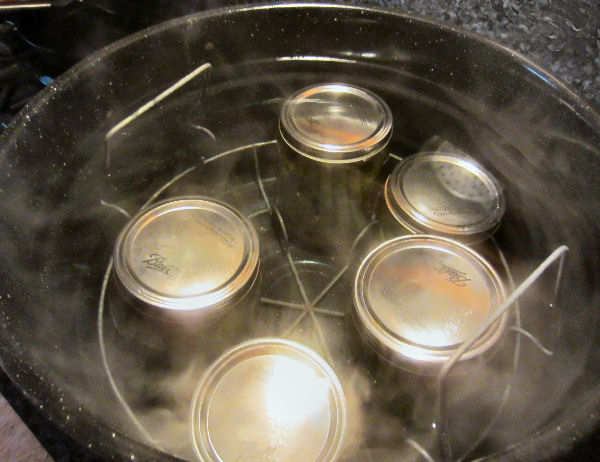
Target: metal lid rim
382	338
213	301
402	206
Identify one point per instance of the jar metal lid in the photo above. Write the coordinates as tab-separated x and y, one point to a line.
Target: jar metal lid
268	399
189	254
417	298
445	194
336	123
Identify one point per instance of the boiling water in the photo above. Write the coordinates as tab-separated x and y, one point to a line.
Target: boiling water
222	144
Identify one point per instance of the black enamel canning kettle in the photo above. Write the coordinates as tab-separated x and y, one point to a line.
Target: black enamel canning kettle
191	107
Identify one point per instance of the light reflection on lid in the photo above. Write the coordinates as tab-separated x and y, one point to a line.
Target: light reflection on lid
419	297
187	254
444	193
336	123
268	399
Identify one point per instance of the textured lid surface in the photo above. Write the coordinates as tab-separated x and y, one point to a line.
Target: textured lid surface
336	123
187	254
421	296
445	193
268	399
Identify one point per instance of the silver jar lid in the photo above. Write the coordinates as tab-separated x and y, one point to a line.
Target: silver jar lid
417	298
445	194
336	123
191	254
268	399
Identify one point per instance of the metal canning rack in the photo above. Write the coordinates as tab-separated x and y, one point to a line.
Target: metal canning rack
310	307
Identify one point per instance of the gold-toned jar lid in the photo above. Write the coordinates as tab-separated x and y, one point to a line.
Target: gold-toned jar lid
445	194
268	399
417	298
190	254
336	123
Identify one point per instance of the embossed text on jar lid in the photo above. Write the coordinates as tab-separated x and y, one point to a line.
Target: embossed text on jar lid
447	194
187	254
417	298
268	399
336	123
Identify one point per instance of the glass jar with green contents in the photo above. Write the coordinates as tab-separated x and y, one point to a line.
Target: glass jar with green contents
416	300
333	139
182	266
443	194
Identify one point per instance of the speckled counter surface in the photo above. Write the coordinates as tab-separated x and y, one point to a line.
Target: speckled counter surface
561	36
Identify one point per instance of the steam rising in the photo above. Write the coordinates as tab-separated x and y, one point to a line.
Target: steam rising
222	144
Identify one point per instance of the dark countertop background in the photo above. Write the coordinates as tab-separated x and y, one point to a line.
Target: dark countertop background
561	36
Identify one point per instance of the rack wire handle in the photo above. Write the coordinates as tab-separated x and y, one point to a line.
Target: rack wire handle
204	68
444	446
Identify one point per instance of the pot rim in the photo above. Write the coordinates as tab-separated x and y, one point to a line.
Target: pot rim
547	437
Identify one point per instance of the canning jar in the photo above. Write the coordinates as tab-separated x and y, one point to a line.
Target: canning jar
417	298
182	266
445	194
268	399
333	140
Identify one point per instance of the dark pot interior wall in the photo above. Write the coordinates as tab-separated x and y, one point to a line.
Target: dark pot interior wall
562	36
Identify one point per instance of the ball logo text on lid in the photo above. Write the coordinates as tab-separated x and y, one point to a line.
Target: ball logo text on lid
187	253
417	298
446	194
